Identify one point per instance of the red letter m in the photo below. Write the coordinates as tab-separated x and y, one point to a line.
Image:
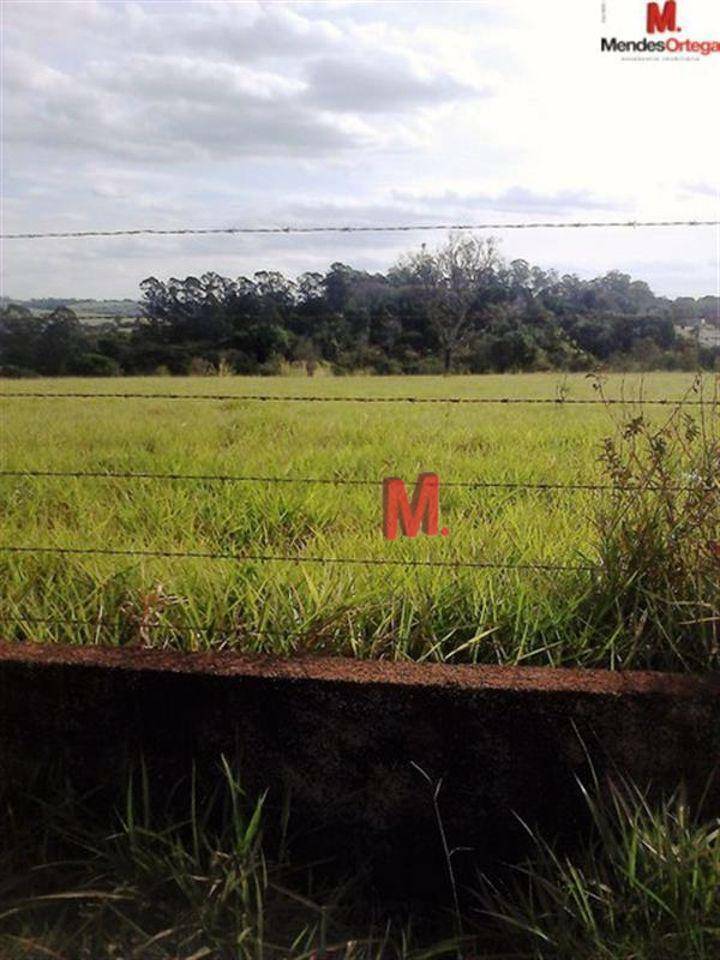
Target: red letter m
662	20
422	512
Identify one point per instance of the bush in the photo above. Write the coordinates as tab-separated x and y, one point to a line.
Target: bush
200	367
272	367
13	372
96	365
658	585
425	366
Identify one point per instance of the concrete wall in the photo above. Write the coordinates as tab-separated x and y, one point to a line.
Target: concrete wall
340	738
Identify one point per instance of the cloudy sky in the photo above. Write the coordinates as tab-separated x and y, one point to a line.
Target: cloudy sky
211	114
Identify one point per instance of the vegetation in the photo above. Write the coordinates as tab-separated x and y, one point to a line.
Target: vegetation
658	550
460	308
602	549
638	584
646	887
643	887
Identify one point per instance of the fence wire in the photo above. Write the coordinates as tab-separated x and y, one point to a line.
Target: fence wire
278	398
289	558
349	481
376	228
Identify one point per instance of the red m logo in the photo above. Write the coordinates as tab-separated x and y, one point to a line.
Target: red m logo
422	512
662	20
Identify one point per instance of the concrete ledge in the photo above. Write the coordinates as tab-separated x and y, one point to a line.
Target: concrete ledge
345	670
340	736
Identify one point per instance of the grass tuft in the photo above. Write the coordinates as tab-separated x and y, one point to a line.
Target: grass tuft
646	887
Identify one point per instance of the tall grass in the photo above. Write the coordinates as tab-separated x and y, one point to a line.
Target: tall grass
658	549
646	887
475	615
152	887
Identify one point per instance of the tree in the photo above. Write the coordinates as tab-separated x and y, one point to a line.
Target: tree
19	335
458	281
61	342
459	307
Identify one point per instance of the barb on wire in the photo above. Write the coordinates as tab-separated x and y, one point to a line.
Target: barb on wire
237	629
559	401
286	558
345	481
318	633
379	228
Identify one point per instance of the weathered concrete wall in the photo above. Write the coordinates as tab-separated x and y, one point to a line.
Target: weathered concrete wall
340	736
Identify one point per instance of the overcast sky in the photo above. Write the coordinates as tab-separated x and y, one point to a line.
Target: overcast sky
123	115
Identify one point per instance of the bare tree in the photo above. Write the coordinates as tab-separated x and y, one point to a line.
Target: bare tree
457	282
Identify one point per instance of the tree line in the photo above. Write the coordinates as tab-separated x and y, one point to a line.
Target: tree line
459	308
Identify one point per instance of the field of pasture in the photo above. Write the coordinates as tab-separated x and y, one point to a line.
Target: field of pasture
511	613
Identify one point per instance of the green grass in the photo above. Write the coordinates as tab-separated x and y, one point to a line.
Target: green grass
646	887
145	884
399	612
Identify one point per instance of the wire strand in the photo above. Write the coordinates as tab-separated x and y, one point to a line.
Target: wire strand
282	558
346	481
269	398
236	632
402	228
138	624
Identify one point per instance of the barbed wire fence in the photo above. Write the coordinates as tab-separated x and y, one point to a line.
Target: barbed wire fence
358	228
251	557
301	398
32	474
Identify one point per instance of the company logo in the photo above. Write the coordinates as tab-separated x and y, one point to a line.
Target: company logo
660	20
422	513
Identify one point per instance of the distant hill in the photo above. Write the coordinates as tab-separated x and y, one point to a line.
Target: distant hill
88	311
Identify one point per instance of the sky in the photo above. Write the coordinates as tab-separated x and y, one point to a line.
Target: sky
212	114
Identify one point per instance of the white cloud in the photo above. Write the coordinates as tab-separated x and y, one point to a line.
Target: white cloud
217	114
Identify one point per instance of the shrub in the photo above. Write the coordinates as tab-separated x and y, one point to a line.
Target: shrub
659	577
200	367
96	365
272	367
12	372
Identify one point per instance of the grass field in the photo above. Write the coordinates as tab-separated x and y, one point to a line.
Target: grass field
436	613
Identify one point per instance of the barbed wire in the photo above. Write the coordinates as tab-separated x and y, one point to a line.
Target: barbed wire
237	630
137	623
348	481
380	228
269	398
285	558
66	621
318	633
